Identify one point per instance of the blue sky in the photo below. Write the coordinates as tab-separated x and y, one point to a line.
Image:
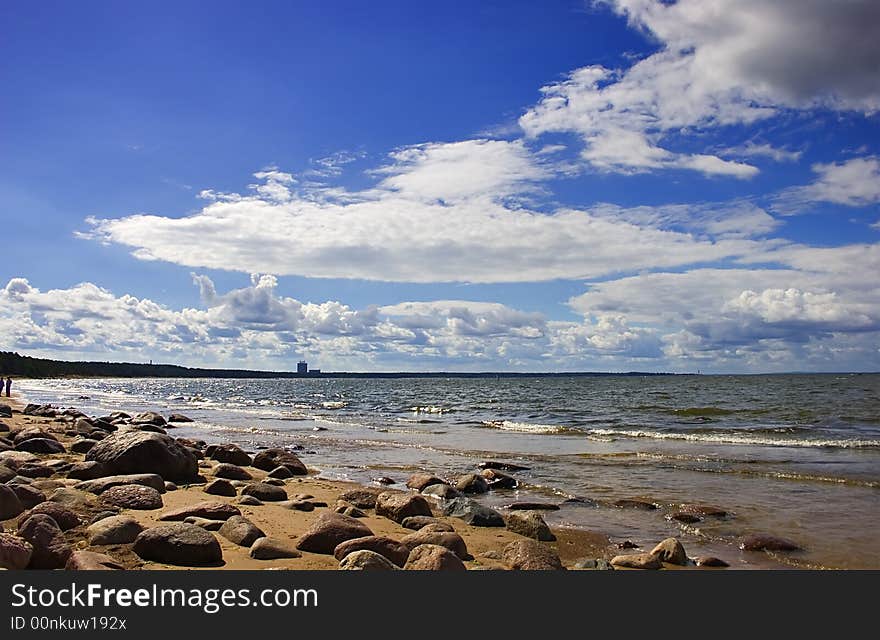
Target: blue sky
460	186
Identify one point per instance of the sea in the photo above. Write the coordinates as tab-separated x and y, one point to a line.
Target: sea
796	456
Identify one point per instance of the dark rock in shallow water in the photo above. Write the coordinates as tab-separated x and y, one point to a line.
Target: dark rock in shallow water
241	531
431	557
684	518
396	552
331	530
150	417
127	452
498	480
385	480
637	561
133	496
710	561
270	459
398	506
178	417
627	544
532	506
420	481
502	466
763	542
634	503
50	549
702	510
442	491
178	543
473	513
472	483
229	453
531	525
671	551
530	555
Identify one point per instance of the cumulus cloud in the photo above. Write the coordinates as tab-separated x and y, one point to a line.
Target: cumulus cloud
853	183
720	62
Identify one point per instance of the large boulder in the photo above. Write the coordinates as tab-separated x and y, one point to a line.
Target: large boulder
329	531
15	552
40	445
241	531
531	525
63	516
431	557
231	472
127	452
178	543
31	433
50	549
530	555
100	485
265	492
395	551
473	513
228	453
114	530
366	560
86	471
399	506
670	551
133	496
92	561
272	549
450	540
270	459
10	505
208	510
420	481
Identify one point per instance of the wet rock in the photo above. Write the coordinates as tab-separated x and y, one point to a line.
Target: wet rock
50	549
593	564
684	518
179	417
420	481
10	505
149	417
15	552
531	525
530	555
501	466
28	495
273	549
449	540
417	522
100	485
498	480
473	513
63	516
178	543
280	473
270	459
133	496
365	560
204	523
40	445
220	487
249	501
627	544
702	510
228	453
241	531
130	452
329	531
532	506
208	510
430	557
764	542
385	480
398	506
91	561
82	445
442	491
637	561
391	549
231	472
710	561
472	483
113	530
634	503
670	551
265	492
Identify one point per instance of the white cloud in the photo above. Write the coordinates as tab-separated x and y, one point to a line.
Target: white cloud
721	62
751	149
854	183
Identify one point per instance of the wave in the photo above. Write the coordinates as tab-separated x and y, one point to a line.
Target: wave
750	438
526	427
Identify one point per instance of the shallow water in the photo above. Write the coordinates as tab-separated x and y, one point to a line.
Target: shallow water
795	455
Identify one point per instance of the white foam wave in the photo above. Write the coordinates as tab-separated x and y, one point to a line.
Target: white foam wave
524	427
729	438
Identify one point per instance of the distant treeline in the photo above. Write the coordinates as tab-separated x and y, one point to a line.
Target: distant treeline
14	364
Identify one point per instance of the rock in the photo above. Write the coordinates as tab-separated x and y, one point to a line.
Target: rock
419	481
329	531
221	487
398	506
150	417
361	498
6	411
385	480
270	459
31	433
529	555
50	549
178	417
6	474
103	514
417	522
503	466
228	453
63	516
637	561
40	445
133	496
632	503
100	485
204	523
531	525
208	510
113	530
269	548
104	425
442	491
348	510
365	560
597	564
35	471
129	452
298	505
86	471
491	554
77	500
280	473
431	557
14	459
82	445
28	495
532	506
265	492
702	510
450	540
627	544
91	561
473	513
391	549
685	518
671	551
472	483
15	552
274	482
763	542
241	531
710	561
10	505
178	543
249	501
170	486
498	480
231	472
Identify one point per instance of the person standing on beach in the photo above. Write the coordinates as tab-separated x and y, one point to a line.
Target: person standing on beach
8	386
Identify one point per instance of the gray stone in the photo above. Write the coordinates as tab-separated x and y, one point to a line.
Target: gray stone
399	506
209	510
366	560
442	491
113	530
593	564
473	513
270	459
178	543
100	485
530	555
128	452
472	483
531	525
149	417
241	531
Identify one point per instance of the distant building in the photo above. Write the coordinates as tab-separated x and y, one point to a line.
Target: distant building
302	366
